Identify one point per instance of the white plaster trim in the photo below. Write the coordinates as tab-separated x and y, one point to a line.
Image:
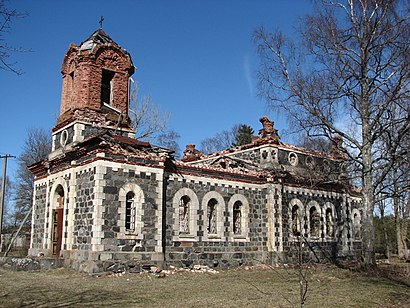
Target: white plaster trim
216	182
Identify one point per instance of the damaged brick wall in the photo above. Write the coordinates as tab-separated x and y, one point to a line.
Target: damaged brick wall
82	79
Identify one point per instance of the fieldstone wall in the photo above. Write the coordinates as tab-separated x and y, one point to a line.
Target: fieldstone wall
84	209
226	250
253	155
38	216
323	247
148	237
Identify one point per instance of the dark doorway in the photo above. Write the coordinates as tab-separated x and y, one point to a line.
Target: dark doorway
57	224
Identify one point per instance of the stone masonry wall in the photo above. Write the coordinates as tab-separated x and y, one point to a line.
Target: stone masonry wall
322	248
84	209
147	239
227	251
38	216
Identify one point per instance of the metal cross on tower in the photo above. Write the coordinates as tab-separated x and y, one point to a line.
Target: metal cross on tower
101	21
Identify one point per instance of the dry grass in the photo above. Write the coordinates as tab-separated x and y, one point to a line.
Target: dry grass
261	287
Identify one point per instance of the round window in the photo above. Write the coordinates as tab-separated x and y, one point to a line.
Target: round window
310	162
293	159
64	137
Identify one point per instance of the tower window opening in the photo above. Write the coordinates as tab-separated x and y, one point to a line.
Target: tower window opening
107	85
71	86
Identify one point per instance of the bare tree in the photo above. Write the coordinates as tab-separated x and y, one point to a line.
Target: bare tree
6	19
395	189
36	147
317	144
221	141
169	140
349	68
146	117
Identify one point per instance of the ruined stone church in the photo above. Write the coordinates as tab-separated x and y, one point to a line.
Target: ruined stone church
103	198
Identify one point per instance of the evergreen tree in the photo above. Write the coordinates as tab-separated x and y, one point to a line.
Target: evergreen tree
243	135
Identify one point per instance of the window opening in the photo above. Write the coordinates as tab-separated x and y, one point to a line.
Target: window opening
212	216
314	220
184	214
356	225
329	223
107	83
295	221
71	86
237	217
130	212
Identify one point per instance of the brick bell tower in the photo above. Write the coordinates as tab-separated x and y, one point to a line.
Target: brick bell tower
95	91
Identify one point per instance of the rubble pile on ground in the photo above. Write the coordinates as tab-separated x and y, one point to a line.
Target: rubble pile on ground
158	272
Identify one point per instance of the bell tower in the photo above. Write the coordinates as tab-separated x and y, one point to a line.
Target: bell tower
95	91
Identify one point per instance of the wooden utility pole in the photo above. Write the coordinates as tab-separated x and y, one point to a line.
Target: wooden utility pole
3	191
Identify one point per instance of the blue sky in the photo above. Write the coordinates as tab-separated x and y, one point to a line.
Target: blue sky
196	59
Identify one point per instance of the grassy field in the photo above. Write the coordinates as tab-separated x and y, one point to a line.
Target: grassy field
260	287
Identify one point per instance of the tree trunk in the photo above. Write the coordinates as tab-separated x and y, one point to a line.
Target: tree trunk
368	249
369	258
400	242
386	237
399	228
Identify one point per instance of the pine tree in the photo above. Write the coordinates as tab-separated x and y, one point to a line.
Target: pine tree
244	135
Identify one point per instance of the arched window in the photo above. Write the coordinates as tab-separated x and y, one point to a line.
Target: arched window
329	222
296	221
130	219
356	224
314	222
237	217
184	204
238	207
212	216
130	212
